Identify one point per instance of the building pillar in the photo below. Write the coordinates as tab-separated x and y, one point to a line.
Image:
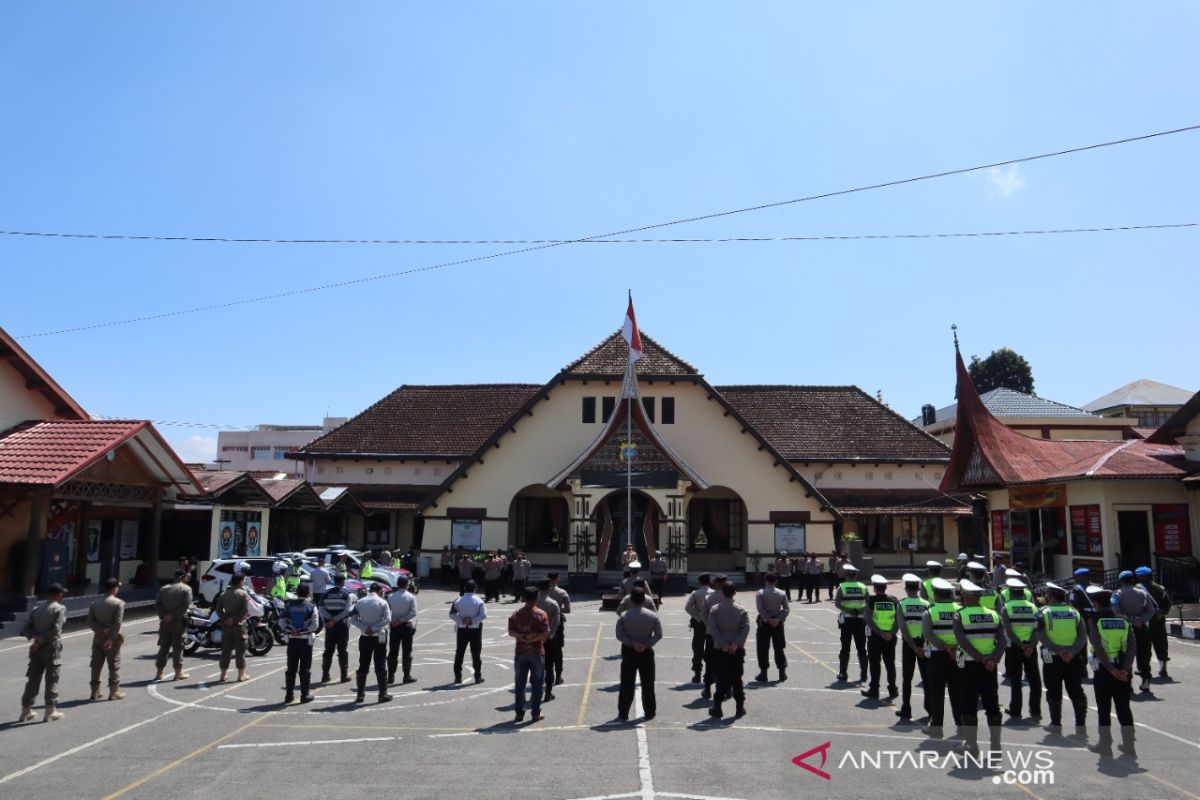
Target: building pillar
155	535
39	508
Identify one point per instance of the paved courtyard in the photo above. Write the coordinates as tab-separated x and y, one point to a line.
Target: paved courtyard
436	740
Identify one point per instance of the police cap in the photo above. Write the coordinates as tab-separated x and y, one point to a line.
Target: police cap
970	587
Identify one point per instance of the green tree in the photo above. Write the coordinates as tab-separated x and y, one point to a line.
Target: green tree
1004	368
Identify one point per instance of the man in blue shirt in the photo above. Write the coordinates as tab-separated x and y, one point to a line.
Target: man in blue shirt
336	606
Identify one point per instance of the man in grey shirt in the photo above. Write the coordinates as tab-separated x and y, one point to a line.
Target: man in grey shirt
772	606
547	603
729	626
372	616
698	623
710	651
319	578
1135	604
638	630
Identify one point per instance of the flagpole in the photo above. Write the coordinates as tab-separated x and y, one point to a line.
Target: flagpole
629	378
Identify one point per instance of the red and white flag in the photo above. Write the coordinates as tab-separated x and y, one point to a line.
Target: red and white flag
631	334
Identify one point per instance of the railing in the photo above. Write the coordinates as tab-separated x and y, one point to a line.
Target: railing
1180	575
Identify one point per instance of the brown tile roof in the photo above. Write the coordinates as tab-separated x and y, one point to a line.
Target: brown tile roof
610	356
49	453
896	502
398	497
442	421
37	379
831	423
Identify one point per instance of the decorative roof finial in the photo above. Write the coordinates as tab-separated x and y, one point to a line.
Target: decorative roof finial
954	328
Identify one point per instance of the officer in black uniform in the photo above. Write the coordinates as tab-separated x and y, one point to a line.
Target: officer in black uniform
335	608
301	621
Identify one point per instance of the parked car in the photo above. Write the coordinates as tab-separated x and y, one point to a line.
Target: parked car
216	577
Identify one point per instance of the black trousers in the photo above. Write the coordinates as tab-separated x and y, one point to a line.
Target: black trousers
941	679
766	638
518	587
729	667
1109	692
699	632
657	585
299	662
1158	638
1016	665
1141	638
710	661
882	653
1058	674
491	589
784	582
977	685
337	638
372	648
812	586
474	638
635	666
560	640
400	644
830	583
853	628
911	662
553	656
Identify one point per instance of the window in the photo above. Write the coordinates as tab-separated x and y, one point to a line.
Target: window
589	410
929	534
648	404
715	526
607	405
280	454
876	533
542	523
668	411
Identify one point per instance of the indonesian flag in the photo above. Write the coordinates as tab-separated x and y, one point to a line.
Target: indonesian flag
630	333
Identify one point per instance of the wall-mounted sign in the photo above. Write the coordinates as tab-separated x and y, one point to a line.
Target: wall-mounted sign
1172	534
466	534
129	539
790	537
1021	498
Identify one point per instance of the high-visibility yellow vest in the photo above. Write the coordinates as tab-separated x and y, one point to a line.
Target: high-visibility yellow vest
913	610
883	614
279	587
367	569
987	598
1022	615
854	594
941	619
980	625
1060	622
928	584
1114	636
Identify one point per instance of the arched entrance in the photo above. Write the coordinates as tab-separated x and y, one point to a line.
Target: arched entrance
538	520
612	520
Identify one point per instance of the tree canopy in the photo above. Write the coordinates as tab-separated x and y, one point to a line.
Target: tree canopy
1004	368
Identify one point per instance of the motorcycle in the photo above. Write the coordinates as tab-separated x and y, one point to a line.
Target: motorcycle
272	612
204	630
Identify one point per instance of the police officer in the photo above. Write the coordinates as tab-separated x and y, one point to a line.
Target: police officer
468	612
233	609
43	627
772	607
548	604
634	568
1019	616
698	622
1081	601
172	605
1062	633
279	590
520	575
710	650
105	617
1004	590
729	627
658	574
977	573
372	616
933	569
883	619
626	602
638	630
300	621
783	570
851	600
1158	623
1113	648
1135	604
941	650
912	658
980	639
295	576
403	604
335	607
560	639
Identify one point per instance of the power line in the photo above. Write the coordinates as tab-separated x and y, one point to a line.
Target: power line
613	234
175	424
678	240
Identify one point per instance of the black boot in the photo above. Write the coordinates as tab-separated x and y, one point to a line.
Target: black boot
782	674
740	711
479	677
695	677
871	693
905	712
715	711
707	693
289	690
380	678
761	677
362	688
305	696
325	678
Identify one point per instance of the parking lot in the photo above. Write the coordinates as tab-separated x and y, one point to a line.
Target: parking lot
197	738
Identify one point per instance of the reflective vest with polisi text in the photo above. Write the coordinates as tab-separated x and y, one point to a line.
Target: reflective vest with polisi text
883	614
980	625
1060	622
987	598
913	610
1022	615
854	594
941	619
1114	636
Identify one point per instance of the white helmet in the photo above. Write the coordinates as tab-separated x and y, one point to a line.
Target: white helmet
279	567
241	568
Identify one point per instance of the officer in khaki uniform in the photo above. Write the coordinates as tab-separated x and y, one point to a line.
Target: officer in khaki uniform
171	605
44	628
105	617
233	608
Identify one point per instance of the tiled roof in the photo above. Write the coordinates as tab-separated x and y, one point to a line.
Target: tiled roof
213	481
610	357
831	423
37	379
451	421
896	502
392	497
1141	393
1177	425
51	452
1011	403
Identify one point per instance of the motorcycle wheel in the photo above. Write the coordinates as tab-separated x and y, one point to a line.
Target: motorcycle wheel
192	646
414	587
280	639
260	642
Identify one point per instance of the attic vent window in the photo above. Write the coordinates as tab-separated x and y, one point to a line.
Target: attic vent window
607	406
589	410
668	411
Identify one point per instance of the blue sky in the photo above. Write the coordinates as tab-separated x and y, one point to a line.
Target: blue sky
564	120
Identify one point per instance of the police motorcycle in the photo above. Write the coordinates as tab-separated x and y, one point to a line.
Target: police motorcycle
204	626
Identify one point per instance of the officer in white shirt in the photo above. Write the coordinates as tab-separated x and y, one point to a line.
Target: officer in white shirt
403	604
372	617
468	612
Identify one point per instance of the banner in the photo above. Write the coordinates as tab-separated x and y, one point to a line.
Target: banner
252	538
226	536
790	537
1023	498
1172	534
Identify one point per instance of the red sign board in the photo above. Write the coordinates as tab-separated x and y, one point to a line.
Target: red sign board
1087	536
1172	535
999	524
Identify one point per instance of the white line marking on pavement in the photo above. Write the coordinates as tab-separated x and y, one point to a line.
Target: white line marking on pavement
645	774
313	741
25	646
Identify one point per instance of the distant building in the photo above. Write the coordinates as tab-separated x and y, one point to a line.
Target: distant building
1149	402
1032	416
264	449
